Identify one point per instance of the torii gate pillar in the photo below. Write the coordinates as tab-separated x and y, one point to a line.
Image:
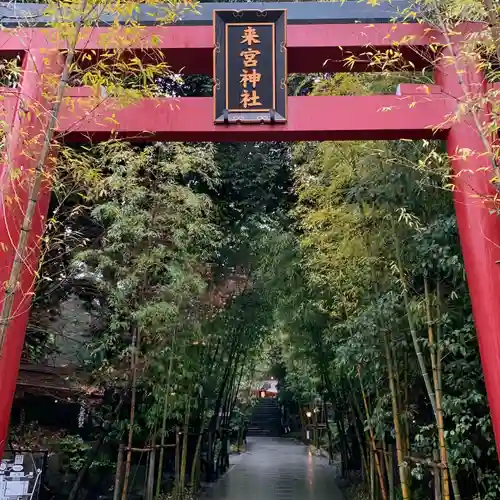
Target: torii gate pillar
27	117
476	200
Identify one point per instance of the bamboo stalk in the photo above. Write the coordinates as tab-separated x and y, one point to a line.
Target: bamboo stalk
196	463
195	469
395	396
372	438
164	422
420	358
404	407
397	429
411	324
439	410
361	447
439	360
357	410
405	436
136	342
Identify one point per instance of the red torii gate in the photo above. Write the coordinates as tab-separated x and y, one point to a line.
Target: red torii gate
412	114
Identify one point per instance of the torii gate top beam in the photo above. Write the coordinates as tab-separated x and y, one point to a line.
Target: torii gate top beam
340	31
32	14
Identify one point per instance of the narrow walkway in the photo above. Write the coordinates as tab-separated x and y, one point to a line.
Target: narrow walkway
277	469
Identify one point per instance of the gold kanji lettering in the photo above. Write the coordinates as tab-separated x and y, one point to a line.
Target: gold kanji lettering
250	77
250	57
250	99
250	36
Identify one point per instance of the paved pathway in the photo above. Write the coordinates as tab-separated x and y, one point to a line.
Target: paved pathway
277	469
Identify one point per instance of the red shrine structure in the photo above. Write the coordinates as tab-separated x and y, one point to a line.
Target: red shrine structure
317	38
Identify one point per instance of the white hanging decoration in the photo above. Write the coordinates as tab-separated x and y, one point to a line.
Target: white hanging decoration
82	416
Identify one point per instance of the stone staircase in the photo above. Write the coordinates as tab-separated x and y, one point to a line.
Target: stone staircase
266	419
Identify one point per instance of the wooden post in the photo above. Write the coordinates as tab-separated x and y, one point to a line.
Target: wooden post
437	475
177	460
119	470
390	471
380	453
151	472
303	423
372	474
316	431
210	465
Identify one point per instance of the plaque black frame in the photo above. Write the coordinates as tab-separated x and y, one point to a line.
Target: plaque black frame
221	18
